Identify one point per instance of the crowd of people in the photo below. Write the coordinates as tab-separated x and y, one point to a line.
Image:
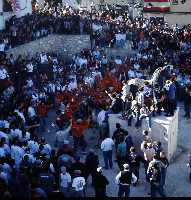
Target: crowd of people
83	91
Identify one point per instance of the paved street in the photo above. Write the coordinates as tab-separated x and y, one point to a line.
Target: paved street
177	184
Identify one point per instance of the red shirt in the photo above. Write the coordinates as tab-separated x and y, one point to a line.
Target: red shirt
78	128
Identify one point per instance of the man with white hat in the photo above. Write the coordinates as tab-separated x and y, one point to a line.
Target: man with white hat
124	179
100	183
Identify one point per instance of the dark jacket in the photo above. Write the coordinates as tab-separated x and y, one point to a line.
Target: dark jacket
126	177
78	166
92	161
134	160
117	134
100	181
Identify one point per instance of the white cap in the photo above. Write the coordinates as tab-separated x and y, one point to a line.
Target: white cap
126	166
99	169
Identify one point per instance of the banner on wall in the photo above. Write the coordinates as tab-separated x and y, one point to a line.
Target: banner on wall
11	5
157	5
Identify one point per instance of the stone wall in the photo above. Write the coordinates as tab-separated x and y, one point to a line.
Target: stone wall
60	44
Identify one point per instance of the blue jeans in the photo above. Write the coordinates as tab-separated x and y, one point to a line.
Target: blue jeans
107	155
79	142
156	188
187	110
129	120
145	116
124	189
77	194
163	177
137	124
42	123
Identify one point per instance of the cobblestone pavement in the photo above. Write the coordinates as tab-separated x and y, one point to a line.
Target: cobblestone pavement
177	182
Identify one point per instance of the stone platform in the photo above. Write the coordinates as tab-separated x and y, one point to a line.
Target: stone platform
164	129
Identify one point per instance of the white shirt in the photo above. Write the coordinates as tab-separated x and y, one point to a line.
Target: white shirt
138	74
89	81
72	85
7	149
107	144
78	183
2	47
2	152
62	135
8	92
6	123
104	61
136	66
33	146
131	74
149	153
96	74
4	135
51	87
82	61
96	27
30	83
118	61
35	97
57	69
26	137
125	91
65	180
62	107
16	133
96	53
47	149
17	154
120	36
29	67
31	112
140	98
43	58
21	115
101	117
6	168
3	73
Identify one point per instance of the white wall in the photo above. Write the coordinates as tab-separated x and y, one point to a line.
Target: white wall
26	8
2	21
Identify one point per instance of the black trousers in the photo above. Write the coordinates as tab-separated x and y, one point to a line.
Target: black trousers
121	161
171	106
135	171
100	192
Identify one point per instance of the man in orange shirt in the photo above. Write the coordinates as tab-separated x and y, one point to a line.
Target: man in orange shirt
42	111
77	129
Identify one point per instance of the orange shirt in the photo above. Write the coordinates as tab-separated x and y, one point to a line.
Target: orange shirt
141	35
42	109
78	128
